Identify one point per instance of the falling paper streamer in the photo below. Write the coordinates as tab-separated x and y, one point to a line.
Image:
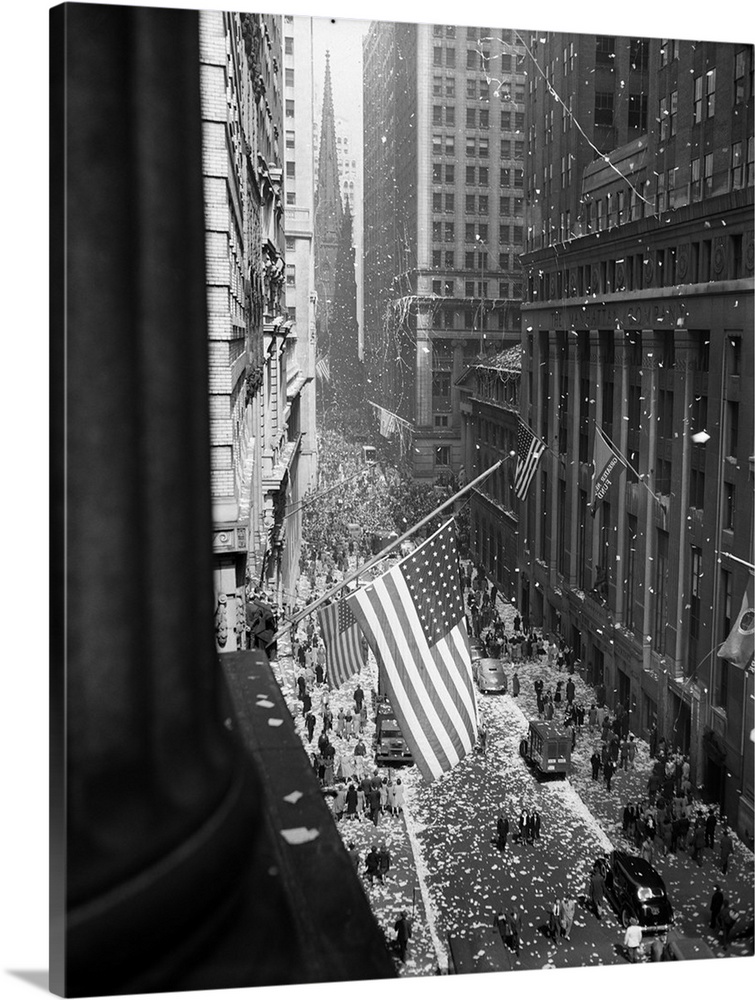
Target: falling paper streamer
275	722
293	798
299	835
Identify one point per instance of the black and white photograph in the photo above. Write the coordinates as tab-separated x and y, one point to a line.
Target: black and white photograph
401	474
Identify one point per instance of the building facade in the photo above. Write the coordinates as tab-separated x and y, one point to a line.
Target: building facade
257	371
638	320
444	147
489	406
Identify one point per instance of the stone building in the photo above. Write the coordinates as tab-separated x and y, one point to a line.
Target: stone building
638	319
444	148
257	370
489	407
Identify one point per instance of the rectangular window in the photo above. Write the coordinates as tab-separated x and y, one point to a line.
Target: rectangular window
732	428
437	173
708	175
471	176
660	588
604	109
697	100
471	146
638	112
483	176
483	146
449	173
737	165
740	62
449	202
484	118
437	201
672	112
729	506
290	138
696	188
710	93
289	77
449	145
437	56
450	58
605	47
505	121
290	109
663	118
450	258
471	89
449	232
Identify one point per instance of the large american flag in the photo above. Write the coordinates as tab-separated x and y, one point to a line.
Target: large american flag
529	448
343	639
413	617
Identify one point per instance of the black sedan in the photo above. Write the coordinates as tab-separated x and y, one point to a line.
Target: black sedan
635	889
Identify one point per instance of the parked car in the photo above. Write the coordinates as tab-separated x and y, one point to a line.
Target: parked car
391	749
475	650
635	889
489	675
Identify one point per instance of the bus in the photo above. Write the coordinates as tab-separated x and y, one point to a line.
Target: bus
547	748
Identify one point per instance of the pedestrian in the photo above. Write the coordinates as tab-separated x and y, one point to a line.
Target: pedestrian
372	865
384	862
310	722
698	843
306	704
633	939
726	847
515	929
352	801
399	795
549	710
502	830
373	804
570	691
535	824
592	717
557	695
608	770
726	921
302	686
716	902
358	698
403	929
624	755
710	828
515	684
568	907
501	921
529	830
631	750
353	854
646	851
523	822
595	761
596	891
554	920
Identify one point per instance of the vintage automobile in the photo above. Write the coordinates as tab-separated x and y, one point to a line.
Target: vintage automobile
391	749
490	676
547	748
635	889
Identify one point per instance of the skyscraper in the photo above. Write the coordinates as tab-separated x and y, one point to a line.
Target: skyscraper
444	147
638	319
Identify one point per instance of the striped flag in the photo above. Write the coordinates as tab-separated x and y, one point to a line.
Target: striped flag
740	643
529	448
343	639
413	617
605	460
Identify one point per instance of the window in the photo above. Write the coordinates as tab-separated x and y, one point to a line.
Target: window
440	420
672	112
471	175
436	258
638	112
437	114
469	204
710	93
449	145
697	100
437	201
471	88
471	116
483	204
437	56
750	171
450	115
708	174
437	86
732	428
518	178
289	109
737	165
505	121
290	168
441	384
483	176
450	202
437	173
450	86
661	591
471	146
289	77
449	258
506	148
483	145
504	235
638	53
449	232
603	109
518	120
442	456
290	138
503	289
437	231
450	58
472	58
289	45
290	274
505	177
740	62
697	489
449	173
729	506
484	118
604	48
696	190
290	197
436	288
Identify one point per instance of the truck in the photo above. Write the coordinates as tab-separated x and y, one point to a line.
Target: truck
391	749
547	748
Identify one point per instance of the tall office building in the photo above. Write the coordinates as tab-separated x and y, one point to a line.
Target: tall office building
444	148
638	323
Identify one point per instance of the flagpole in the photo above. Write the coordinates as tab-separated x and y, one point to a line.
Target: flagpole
352	574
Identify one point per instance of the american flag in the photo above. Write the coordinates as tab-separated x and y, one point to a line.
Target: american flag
343	639
413	617
529	448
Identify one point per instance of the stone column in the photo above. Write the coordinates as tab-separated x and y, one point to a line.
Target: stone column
153	815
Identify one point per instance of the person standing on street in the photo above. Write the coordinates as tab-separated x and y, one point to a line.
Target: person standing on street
568	906
515	684
403	929
633	939
502	830
608	770
710	827
596	762
716	902
698	843
515	929
596	894
726	847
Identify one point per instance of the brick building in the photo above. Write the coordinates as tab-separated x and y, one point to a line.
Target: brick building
638	318
443	215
